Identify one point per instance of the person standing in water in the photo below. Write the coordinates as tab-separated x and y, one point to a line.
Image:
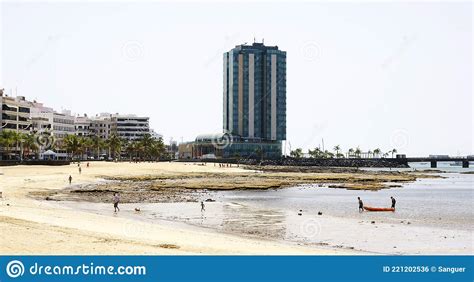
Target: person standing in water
361	205
393	202
70	179
116	200
203	209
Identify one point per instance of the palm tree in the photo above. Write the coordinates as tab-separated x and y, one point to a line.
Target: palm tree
130	148
337	148
146	143
97	144
328	155
369	153
350	152
394	151
87	144
29	144
72	144
8	140
377	152
357	152
297	153
115	145
316	153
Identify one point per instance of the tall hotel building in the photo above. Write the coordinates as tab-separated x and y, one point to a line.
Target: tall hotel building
255	92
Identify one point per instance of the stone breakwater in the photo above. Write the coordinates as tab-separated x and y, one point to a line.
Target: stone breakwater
343	162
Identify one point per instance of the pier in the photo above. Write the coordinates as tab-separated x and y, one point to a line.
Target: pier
434	161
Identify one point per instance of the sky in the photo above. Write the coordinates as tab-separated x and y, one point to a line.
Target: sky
359	74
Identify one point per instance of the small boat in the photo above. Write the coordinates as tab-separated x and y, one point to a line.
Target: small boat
379	209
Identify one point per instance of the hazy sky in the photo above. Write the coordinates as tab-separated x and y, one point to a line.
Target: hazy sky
358	74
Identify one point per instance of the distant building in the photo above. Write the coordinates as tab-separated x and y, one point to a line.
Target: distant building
130	127
254	114
15	113
255	92
82	125
225	145
14	116
101	125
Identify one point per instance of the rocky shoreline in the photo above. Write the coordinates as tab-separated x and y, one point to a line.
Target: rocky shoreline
193	187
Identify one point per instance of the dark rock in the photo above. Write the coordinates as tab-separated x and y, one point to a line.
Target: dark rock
210	200
300	213
320	213
373	222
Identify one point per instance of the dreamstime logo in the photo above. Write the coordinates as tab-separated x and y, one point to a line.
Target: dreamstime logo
221	142
400	139
133	229
44	140
132	50
310	228
310	51
15	268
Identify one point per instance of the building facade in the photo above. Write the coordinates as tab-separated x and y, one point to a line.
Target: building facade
83	126
130	127
101	126
254	93
15	113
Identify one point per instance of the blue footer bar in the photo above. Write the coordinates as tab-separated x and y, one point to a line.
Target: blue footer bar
236	268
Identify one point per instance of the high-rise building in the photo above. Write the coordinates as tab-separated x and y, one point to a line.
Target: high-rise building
255	92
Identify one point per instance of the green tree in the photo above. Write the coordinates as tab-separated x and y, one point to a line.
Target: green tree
337	148
350	152
316	153
377	152
97	144
297	153
8	138
72	144
357	152
394	151
114	144
29	144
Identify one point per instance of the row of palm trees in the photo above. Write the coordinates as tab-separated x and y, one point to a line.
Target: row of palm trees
21	143
146	148
317	153
23	146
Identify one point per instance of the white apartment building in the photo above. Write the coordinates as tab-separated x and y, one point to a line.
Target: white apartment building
130	127
101	125
82	125
15	113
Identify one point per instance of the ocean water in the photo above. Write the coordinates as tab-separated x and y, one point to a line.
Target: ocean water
433	215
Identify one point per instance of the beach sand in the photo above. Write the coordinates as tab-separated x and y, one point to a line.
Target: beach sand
32	226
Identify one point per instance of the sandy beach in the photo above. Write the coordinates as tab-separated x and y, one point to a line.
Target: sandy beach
42	214
31	226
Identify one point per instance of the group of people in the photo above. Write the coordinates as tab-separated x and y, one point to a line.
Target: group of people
361	204
79	168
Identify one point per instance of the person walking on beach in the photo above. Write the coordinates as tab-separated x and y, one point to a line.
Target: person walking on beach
116	202
70	179
80	170
361	205
393	202
203	208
